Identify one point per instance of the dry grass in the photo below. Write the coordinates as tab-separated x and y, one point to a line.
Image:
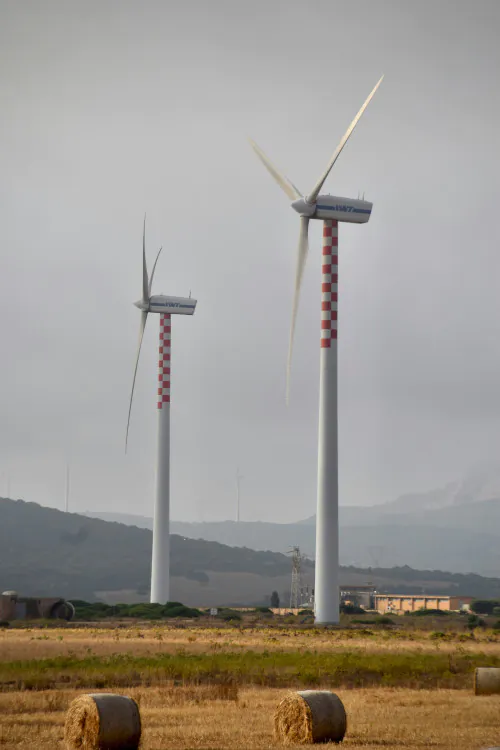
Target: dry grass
181	719
216	717
19	644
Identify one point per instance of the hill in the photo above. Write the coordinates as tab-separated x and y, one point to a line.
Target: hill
442	539
455	527
46	552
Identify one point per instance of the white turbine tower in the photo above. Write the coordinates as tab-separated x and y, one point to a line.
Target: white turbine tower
331	210
165	307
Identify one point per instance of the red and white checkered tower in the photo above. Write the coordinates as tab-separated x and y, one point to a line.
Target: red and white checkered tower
165	307
330	209
160	567
327	543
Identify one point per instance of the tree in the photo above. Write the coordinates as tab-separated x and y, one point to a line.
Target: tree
275	600
484	606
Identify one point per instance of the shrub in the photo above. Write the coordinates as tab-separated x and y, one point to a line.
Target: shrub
351	609
306	612
180	610
496	626
143	611
384	620
484	606
437	634
473	621
429	613
228	614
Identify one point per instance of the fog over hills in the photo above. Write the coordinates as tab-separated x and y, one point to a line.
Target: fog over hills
455	528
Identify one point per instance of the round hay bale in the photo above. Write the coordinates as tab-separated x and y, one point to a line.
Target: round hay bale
310	716
487	680
102	721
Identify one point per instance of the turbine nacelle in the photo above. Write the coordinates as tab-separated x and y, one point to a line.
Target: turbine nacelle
350	210
161	303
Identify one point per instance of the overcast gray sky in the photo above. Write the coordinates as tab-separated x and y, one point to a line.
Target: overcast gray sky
113	108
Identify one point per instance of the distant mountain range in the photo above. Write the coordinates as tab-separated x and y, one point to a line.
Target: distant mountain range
455	528
46	552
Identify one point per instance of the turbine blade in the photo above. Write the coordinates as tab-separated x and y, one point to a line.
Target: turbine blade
315	191
302	251
144	317
153	273
145	286
284	183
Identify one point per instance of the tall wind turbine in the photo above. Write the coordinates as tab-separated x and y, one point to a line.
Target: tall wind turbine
165	307
331	210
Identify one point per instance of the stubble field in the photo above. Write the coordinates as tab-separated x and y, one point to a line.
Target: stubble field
218	687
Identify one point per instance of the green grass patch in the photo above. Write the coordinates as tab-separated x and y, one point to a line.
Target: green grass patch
270	668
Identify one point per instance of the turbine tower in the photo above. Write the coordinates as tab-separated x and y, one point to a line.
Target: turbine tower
165	307
238	494
331	210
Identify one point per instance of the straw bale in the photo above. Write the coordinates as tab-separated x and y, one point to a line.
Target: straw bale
310	716
102	721
487	680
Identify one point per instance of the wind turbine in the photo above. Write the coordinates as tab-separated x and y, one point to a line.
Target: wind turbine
330	209
165	307
238	495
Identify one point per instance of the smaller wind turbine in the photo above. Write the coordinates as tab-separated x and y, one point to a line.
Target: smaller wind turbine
165	307
238	494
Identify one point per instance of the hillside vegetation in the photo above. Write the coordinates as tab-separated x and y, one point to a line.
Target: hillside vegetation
46	552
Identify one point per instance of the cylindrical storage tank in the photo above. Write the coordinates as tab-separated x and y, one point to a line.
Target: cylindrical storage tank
63	610
487	680
102	721
310	716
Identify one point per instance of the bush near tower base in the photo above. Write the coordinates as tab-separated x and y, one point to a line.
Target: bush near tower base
143	611
484	606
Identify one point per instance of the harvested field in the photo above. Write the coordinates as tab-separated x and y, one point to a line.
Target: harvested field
144	639
44	659
217	688
392	719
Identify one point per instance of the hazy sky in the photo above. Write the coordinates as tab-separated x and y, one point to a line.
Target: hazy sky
113	108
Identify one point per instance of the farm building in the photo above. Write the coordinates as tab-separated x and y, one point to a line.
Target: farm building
15	607
399	604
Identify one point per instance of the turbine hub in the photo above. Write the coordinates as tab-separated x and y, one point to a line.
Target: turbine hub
303	207
142	305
